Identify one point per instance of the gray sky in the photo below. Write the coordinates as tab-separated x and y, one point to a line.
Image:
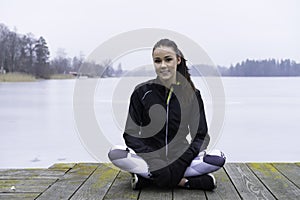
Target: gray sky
229	31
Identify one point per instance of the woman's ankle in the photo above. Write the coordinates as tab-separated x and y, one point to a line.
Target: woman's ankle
182	182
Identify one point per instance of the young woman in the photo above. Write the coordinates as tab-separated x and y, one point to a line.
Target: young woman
162	113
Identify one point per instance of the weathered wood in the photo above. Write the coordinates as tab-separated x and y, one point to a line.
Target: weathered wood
97	184
31	174
289	170
62	166
247	184
185	194
67	185
100	181
279	185
225	188
152	193
121	188
18	196
25	185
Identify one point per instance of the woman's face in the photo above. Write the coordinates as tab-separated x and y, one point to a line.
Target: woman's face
165	63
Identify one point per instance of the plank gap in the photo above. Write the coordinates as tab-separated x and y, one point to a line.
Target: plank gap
286	173
112	183
278	185
230	178
83	182
265	185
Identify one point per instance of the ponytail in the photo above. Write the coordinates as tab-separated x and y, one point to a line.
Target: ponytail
184	70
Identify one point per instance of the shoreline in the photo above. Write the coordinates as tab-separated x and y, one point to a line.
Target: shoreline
23	77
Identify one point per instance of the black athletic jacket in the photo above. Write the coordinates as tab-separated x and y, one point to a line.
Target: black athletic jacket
158	123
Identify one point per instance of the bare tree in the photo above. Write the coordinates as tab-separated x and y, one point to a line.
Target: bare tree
61	64
4	32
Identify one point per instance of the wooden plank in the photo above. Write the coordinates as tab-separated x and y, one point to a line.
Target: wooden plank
97	184
62	166
279	185
225	188
30	174
247	184
121	188
25	185
289	170
67	185
153	192
18	196
185	194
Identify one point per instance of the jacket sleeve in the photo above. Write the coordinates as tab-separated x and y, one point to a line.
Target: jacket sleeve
133	125
198	125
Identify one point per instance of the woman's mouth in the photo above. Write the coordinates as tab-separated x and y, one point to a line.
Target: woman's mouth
165	72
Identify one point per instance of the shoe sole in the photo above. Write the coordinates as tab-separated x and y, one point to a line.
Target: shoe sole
134	181
214	180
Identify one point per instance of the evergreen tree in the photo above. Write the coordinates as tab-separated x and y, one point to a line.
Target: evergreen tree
42	59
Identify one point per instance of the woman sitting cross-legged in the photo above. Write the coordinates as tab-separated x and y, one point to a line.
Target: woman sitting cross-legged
162	113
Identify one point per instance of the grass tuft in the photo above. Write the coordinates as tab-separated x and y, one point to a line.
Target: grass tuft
62	76
16	77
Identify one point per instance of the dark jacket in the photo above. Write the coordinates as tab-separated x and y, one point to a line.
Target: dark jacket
159	121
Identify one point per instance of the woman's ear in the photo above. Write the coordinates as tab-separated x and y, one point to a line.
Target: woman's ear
178	60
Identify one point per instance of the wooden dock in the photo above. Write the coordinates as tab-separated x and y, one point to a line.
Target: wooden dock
101	181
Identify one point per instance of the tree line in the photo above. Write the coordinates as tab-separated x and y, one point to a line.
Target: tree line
266	67
27	54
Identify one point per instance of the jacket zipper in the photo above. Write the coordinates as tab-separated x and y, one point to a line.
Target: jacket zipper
167	120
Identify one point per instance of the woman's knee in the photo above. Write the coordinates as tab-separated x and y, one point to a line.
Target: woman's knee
215	157
117	152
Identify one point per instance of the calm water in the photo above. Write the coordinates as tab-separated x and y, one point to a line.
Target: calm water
37	125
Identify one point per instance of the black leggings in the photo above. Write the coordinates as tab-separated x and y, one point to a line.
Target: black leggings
170	175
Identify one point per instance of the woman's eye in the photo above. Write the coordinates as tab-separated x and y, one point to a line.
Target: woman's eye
169	59
157	61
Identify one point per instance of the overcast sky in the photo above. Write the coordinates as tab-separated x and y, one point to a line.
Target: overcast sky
229	31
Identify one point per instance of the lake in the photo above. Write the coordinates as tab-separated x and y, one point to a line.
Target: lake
37	126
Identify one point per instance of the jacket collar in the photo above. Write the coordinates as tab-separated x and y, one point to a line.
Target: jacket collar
158	82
